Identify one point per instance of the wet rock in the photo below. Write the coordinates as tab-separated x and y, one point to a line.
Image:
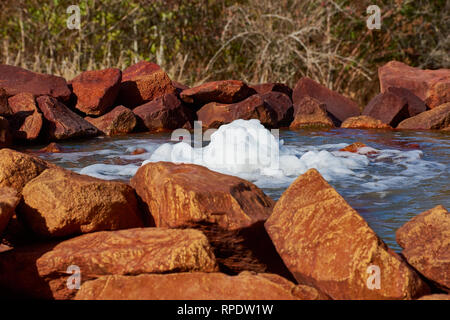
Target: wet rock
434	119
26	120
40	271
387	107
195	286
226	91
63	123
52	148
213	115
138	151
17	169
354	147
326	244
8	203
164	113
432	86
5	134
16	80
264	88
436	297
338	106
177	194
118	121
282	105
309	112
143	83
364	122
61	203
426	243
96	90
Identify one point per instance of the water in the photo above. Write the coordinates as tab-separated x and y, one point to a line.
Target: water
408	175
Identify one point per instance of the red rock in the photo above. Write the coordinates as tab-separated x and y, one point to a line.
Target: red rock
436	297
364	122
309	112
63	123
426	243
141	68
354	147
61	203
179	87
196	286
434	119
4	108
40	270
255	107
326	244
178	194
164	113
8	203
96	90
5	135
118	121
213	114
17	169
142	84
16	80
264	88
138	151
282	105
52	148
387	107
26	120
415	104
226	91
336	105
432	86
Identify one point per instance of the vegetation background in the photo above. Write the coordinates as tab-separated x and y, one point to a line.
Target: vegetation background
252	40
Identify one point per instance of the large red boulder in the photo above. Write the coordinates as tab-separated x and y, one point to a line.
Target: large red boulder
325	243
164	113
425	240
62	122
196	286
364	122
225	91
309	112
434	119
118	121
16	80
4	107
177	194
96	90
40	270
388	108
61	203
415	104
432	86
255	107
144	82
282	105
5	133
26	120
214	114
338	106
264	88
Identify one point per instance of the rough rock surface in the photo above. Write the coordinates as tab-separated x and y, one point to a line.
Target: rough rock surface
309	112
415	104
16	80
17	169
8	203
62	122
434	119
255	107
426	243
282	104
164	113
387	107
326	244
264	88
364	122
196	286
60	203
177	194
96	90
26	120
226	91
337	105
118	121
432	86
214	114
40	270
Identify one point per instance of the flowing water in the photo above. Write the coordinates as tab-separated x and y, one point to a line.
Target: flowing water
402	174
